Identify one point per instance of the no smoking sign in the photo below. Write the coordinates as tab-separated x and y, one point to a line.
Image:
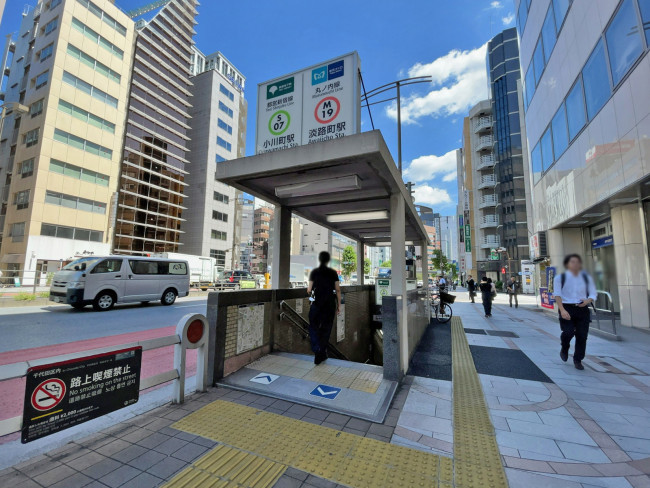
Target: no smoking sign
48	394
327	110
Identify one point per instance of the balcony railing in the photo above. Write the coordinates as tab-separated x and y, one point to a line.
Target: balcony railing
488	201
483	142
481	123
490	241
486	161
487	181
488	221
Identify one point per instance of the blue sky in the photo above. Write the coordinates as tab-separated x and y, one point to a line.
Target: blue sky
442	38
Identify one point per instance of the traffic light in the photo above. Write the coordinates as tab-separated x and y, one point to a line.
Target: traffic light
503	270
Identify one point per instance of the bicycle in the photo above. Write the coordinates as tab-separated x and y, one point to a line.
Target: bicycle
441	306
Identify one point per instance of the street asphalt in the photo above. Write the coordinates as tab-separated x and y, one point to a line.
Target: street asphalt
28	327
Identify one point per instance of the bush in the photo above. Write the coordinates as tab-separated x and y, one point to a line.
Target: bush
24	297
48	279
499	285
43	294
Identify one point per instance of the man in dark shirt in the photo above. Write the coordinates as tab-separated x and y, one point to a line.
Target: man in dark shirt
326	303
471	287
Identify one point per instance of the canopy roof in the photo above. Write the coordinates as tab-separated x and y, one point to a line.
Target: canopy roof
344	185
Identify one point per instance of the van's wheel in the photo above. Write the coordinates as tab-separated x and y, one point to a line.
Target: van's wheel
168	297
104	301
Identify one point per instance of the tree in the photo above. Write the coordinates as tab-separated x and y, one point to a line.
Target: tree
349	264
366	266
439	261
385	264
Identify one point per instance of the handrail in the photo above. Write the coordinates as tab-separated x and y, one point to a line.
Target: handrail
179	340
297	320
611	311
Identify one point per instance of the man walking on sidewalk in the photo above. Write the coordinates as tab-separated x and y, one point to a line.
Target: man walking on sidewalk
513	290
574	290
471	288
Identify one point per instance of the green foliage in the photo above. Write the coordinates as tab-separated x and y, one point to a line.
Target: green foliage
49	278
366	266
439	261
24	297
43	294
386	264
499	285
349	258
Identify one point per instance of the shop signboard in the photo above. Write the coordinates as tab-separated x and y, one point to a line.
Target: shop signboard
547	300
316	104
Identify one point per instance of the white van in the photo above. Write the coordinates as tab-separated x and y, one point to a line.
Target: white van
104	281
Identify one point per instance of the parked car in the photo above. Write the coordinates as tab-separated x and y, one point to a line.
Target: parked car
237	279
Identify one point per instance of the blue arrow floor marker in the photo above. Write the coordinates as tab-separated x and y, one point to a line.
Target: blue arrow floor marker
324	391
264	378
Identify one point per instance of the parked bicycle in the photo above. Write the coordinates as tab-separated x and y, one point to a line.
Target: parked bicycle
441	306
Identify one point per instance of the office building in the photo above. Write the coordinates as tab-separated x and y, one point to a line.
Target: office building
155	161
212	223
588	131
63	128
465	207
262	219
449	237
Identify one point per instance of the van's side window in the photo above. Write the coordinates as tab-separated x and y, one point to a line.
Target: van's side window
144	267
157	267
177	268
108	266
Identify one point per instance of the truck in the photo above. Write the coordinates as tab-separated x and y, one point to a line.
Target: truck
204	272
297	278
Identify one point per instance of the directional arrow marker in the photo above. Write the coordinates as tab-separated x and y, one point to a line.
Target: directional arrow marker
264	378
325	391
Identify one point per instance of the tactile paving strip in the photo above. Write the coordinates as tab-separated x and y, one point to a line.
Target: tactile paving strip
327	453
228	467
338	376
477	461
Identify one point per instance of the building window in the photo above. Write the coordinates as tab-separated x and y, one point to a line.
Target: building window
223	143
87	117
522	16
227	92
644	6
94	9
220	159
26	168
560	8
220	256
530	84
548	33
77	203
21	199
224	108
93	63
75	233
30	138
624	44
596	81
220	197
46	52
217	234
219	216
224	126
87	88
82	144
538	61
575	110
50	26
560	134
41	80
547	149
36	108
54	3
17	232
536	163
83	174
99	39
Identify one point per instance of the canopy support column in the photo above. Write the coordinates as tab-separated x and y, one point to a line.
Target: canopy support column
360	262
398	270
281	248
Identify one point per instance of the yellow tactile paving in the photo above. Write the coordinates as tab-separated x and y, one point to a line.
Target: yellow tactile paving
228	467
337	456
339	376
477	461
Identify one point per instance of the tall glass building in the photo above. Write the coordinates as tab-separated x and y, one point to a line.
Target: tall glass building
586	68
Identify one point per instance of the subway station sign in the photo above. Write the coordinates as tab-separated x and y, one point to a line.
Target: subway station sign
316	104
61	395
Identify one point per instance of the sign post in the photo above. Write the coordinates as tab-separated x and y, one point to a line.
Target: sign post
61	395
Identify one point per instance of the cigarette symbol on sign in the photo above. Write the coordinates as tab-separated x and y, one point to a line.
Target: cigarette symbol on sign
48	394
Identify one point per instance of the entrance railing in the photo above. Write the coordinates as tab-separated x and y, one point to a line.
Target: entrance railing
607	314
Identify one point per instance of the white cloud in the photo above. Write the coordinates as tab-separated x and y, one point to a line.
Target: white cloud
496	4
459	80
428	195
508	19
426	168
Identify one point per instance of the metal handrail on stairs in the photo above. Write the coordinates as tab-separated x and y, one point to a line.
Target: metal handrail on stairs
303	326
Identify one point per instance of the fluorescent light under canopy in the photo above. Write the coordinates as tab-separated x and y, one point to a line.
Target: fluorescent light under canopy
358	216
318	187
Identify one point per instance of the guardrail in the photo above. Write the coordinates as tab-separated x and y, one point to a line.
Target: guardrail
609	310
191	333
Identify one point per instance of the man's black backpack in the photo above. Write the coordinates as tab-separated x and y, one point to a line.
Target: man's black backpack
584	277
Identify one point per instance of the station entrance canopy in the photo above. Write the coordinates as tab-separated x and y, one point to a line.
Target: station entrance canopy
345	185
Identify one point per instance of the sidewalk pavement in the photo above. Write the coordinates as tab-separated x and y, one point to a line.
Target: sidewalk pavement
567	429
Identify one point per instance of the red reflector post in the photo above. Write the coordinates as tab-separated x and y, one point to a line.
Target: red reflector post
195	331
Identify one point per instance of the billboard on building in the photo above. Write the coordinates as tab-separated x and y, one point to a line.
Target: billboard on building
316	104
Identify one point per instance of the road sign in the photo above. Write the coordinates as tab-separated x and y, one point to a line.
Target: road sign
319	103
48	394
264	378
324	391
61	395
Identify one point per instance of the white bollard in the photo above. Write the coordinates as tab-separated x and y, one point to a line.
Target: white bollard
192	331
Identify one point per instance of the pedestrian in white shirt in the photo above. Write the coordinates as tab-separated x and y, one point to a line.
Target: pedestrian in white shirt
574	290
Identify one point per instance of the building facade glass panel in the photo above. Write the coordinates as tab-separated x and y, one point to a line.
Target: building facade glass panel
624	43
596	81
